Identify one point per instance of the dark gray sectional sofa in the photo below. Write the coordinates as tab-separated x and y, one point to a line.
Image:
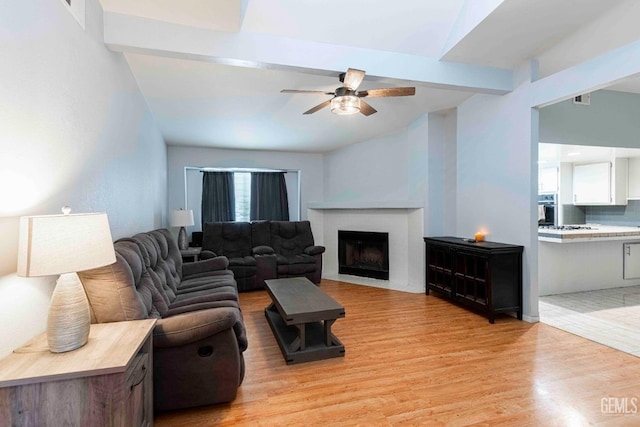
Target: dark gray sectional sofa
261	250
199	337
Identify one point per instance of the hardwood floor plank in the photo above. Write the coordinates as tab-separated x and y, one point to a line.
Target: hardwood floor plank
413	359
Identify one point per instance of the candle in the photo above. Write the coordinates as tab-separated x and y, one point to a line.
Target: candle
479	236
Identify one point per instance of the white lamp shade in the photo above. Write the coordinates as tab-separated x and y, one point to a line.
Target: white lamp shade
56	244
181	218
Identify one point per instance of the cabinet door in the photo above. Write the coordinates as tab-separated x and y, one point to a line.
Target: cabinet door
592	184
633	184
631	261
139	386
471	277
439	265
548	180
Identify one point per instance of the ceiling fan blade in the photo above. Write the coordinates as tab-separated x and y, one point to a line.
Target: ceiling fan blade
353	78
390	91
366	109
318	107
306	91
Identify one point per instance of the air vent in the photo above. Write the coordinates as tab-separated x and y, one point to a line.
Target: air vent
584	99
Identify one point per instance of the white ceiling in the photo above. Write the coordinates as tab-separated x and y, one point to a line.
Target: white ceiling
212	71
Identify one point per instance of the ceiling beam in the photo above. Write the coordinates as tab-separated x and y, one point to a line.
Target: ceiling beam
128	33
594	74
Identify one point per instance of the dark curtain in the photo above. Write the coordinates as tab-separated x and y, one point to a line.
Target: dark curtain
269	196
218	197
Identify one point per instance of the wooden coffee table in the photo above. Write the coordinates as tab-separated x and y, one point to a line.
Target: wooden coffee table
300	317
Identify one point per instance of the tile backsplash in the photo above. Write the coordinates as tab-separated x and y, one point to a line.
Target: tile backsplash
613	215
573	214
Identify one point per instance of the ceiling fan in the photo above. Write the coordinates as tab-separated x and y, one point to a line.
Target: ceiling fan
347	100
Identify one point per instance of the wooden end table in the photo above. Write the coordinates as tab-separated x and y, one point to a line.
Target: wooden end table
192	252
107	382
301	316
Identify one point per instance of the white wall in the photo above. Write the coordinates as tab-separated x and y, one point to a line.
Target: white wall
497	177
610	121
310	166
370	171
440	218
416	165
450	173
390	169
76	131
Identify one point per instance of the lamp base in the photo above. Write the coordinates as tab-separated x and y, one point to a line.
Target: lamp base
182	239
69	318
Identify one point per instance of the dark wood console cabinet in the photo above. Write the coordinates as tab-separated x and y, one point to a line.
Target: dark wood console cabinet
484	275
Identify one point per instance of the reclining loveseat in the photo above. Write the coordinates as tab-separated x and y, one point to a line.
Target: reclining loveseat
261	250
199	337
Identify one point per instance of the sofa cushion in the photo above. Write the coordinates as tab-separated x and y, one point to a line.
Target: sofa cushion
295	259
123	290
230	239
261	233
291	237
179	330
247	261
164	263
192	301
202	281
204	266
286	270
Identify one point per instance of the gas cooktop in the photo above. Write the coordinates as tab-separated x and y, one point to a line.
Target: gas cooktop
565	227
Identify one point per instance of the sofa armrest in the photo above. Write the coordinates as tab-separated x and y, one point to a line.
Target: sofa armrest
206	254
190	327
211	264
314	250
263	250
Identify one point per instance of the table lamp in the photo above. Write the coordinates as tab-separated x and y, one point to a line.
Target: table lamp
65	244
182	218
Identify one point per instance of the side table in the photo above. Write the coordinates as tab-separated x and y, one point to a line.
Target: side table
107	382
193	252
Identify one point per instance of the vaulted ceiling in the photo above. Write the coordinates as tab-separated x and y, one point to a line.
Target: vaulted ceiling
212	71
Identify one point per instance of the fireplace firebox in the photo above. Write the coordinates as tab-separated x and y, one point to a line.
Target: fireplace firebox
363	253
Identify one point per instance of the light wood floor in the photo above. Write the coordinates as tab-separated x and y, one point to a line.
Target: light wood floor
413	359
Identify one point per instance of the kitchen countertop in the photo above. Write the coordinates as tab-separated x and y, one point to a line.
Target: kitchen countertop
597	233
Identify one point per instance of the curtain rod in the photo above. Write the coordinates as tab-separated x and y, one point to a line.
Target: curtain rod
239	169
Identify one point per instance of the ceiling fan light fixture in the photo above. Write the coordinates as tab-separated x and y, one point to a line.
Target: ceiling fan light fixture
346	104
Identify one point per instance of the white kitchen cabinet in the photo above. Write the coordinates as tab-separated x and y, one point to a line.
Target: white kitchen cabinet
565	193
602	183
592	184
633	182
548	180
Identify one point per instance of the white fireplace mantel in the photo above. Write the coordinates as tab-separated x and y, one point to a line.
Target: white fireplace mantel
404	222
365	205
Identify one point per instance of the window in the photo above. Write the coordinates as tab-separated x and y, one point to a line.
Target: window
242	190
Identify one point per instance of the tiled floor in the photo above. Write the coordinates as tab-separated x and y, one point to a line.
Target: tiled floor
609	316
